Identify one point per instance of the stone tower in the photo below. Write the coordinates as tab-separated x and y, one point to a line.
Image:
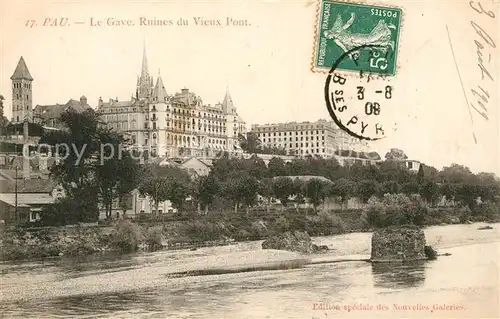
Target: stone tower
22	97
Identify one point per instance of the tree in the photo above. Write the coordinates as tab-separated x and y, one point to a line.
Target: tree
344	188
255	166
299	191
156	189
81	152
91	157
395	154
366	189
241	188
276	167
266	190
430	173
430	192
208	188
449	191
411	187
390	187
125	203
118	173
393	171
250	143
72	210
177	193
283	189
316	191
163	183
456	174
467	194
420	174
87	163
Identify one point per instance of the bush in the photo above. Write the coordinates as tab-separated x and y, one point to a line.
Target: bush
395	209
203	231
486	211
153	238
282	224
465	214
126	236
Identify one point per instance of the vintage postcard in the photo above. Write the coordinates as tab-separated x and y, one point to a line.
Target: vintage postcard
250	159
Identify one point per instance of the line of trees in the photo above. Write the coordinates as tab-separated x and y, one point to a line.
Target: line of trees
240	180
236	182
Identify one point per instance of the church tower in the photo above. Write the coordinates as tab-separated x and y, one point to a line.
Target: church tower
145	81
22	98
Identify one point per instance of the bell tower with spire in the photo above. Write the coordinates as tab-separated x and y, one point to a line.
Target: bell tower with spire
145	81
22	97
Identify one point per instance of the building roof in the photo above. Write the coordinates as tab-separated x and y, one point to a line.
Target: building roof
306	178
21	71
227	104
207	161
28	186
185	97
196	159
27	199
159	91
133	102
49	112
164	161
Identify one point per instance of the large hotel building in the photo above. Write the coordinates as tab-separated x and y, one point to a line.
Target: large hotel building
177	125
321	138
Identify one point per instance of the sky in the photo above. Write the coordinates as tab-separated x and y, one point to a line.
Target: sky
265	64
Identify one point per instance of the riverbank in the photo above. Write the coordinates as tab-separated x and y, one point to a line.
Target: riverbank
125	236
38	243
152	273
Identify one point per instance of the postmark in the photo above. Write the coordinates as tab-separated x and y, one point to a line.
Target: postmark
362	106
343	26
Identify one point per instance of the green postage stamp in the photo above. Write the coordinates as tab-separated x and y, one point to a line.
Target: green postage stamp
344	26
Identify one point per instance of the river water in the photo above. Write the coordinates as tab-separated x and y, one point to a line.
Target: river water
463	285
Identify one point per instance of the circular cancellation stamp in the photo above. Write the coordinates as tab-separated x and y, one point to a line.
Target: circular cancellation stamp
362	106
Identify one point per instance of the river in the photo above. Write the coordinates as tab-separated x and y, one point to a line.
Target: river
463	285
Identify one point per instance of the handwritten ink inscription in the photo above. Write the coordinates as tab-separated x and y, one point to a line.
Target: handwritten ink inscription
484	48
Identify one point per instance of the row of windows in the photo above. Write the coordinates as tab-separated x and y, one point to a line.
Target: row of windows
301	144
297	127
290	133
192	113
119	125
296	139
18	96
297	152
20	107
24	85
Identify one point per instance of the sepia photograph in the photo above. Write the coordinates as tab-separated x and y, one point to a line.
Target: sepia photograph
254	159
